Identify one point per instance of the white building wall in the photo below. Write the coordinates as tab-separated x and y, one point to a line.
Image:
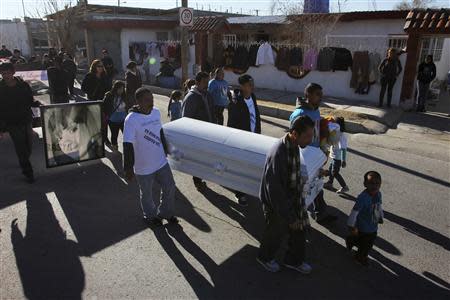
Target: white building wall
336	84
443	66
15	36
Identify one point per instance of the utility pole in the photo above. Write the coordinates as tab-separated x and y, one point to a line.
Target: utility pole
184	48
23	8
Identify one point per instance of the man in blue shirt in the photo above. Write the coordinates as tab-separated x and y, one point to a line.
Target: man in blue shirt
220	92
310	107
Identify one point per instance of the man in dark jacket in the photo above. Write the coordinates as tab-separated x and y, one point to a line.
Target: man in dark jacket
5	53
243	114
109	66
426	74
199	105
16	100
58	82
283	202
71	68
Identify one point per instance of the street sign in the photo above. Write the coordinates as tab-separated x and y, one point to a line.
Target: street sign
186	17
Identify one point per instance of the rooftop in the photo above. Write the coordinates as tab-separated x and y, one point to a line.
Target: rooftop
428	21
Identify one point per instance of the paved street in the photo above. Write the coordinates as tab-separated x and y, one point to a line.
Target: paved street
77	232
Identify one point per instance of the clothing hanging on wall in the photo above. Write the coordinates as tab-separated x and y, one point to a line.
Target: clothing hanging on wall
228	55
265	55
374	62
310	59
342	59
253	54
360	72
325	59
295	57
282	61
241	59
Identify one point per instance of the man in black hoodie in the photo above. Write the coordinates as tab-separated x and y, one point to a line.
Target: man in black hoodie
283	202
243	114
16	100
198	104
426	74
58	82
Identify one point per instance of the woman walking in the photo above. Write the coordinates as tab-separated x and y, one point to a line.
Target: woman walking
115	108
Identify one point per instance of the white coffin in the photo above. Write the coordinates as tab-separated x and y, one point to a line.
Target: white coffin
312	160
229	157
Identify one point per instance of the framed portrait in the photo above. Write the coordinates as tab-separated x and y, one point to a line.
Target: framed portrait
72	133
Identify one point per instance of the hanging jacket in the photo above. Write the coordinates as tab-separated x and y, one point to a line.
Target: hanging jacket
360	70
282	61
325	59
295	57
342	59
240	58
252	55
374	62
265	55
228	55
310	59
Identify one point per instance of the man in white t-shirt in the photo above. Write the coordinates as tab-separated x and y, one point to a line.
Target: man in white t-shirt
243	114
145	158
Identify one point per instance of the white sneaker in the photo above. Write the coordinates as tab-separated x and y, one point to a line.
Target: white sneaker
304	268
342	190
271	266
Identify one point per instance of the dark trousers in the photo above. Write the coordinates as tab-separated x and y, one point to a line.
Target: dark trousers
276	229
197	180
71	83
334	169
424	88
239	194
218	111
389	84
22	138
363	241
320	206
115	128
56	99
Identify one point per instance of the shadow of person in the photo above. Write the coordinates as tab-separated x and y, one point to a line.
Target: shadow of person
184	209
201	286
414	228
250	218
48	263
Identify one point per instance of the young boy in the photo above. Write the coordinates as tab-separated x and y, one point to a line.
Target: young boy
145	149
338	154
365	217
310	107
174	109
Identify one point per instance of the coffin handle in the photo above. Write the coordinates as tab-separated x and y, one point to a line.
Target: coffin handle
219	168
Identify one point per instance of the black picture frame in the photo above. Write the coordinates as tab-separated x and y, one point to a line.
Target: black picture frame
86	121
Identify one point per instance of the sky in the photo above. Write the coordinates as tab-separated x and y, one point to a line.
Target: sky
13	8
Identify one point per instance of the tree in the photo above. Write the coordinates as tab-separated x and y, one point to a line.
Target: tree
412	4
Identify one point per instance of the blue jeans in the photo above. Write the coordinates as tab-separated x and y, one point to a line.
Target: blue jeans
334	169
165	179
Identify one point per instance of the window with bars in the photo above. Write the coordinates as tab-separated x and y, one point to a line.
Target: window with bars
397	42
433	46
229	39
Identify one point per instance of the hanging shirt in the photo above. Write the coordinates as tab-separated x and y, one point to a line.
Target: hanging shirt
252	111
265	55
144	132
310	59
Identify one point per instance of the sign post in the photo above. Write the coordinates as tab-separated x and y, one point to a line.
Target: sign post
186	21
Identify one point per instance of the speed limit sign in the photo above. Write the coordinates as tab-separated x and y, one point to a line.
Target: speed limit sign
186	17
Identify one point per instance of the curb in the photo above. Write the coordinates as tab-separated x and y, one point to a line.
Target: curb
367	126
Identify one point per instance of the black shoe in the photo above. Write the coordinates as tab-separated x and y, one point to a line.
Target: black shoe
364	261
327	219
30	178
153	222
201	185
348	245
242	200
173	220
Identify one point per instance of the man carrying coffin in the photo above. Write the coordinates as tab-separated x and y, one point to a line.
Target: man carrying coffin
283	201
243	114
199	105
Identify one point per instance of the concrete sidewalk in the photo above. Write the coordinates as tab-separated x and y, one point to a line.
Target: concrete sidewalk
360	118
